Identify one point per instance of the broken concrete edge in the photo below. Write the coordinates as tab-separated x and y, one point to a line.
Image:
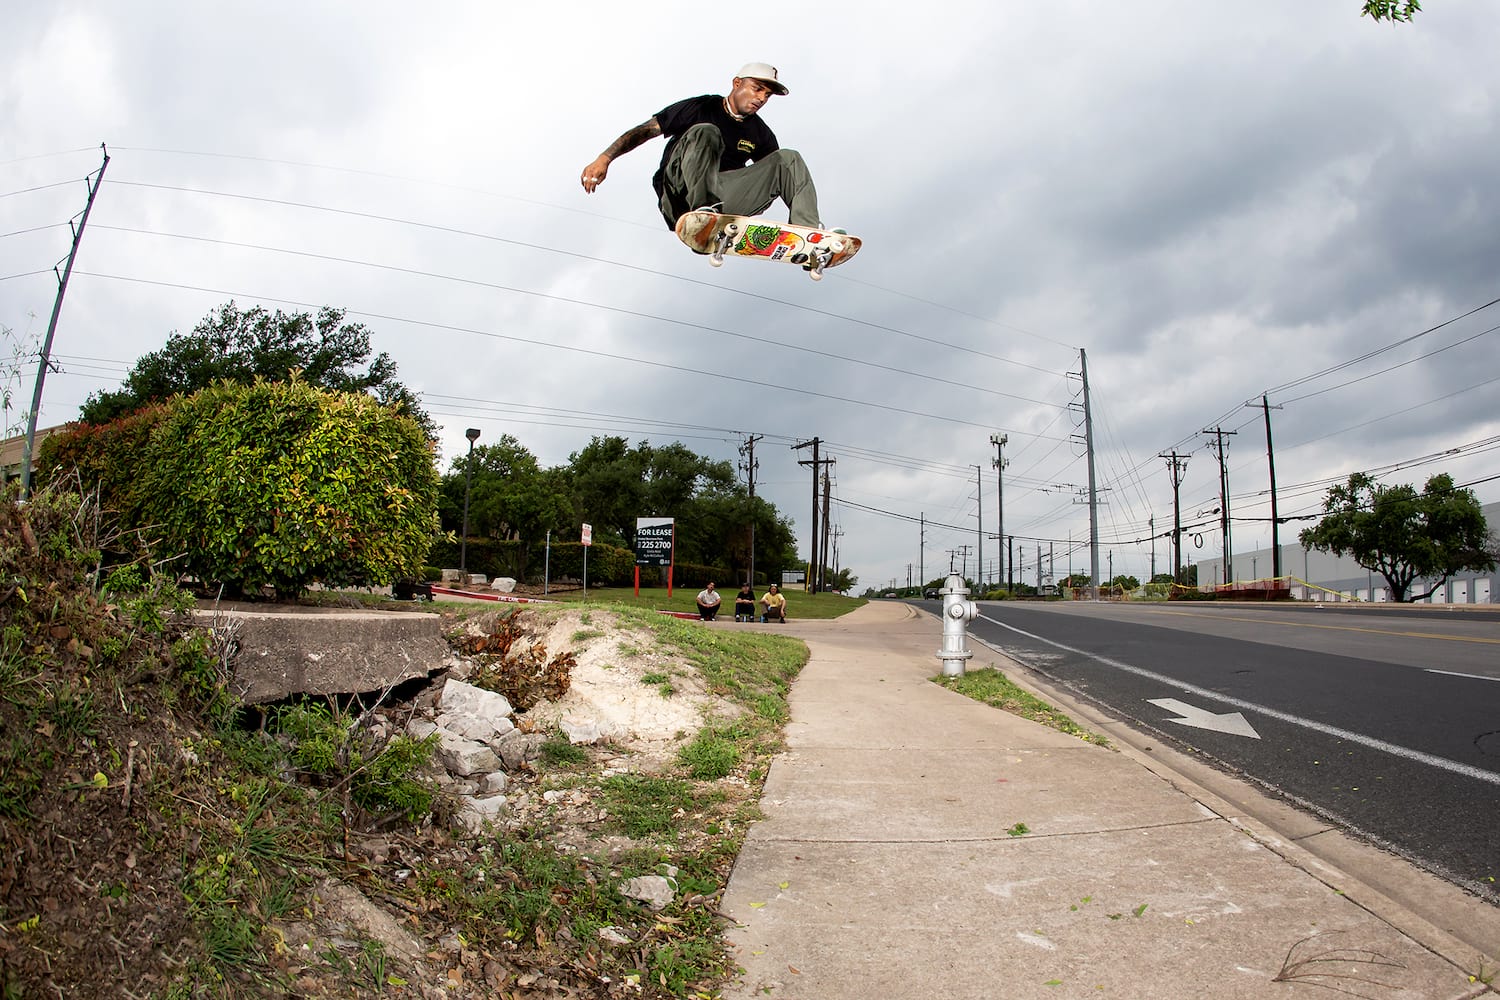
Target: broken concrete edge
283	651
1335	859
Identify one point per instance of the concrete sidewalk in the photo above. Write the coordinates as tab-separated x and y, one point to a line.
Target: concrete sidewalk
886	866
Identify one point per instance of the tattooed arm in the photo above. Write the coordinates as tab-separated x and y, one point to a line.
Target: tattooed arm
594	173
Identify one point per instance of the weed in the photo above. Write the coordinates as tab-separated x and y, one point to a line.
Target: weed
994	688
662	681
559	753
709	756
641	805
1019	830
585	634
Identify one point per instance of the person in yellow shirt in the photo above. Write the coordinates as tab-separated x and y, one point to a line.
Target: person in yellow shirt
775	605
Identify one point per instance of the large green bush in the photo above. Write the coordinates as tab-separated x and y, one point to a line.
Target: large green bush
281	484
105	457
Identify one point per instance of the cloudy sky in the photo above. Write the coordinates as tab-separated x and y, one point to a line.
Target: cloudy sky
1289	200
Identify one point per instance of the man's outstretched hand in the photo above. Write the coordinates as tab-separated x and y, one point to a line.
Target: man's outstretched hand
594	174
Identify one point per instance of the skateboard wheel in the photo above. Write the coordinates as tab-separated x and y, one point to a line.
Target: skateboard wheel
717	260
815	274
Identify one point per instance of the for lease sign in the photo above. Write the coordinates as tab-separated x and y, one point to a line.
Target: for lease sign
653	541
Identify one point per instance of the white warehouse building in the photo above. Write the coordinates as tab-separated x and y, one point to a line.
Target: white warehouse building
1321	576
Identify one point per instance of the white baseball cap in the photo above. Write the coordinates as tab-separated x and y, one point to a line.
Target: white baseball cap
764	72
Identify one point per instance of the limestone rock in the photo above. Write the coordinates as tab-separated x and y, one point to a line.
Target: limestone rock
461	698
653	890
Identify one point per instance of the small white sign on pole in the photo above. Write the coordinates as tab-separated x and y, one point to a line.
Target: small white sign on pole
588	534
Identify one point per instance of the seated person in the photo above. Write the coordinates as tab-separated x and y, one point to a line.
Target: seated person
708	602
775	605
744	604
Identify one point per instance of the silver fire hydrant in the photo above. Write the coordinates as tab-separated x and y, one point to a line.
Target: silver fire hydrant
958	611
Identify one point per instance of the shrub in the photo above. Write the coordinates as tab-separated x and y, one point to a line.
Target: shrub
103	456
281	485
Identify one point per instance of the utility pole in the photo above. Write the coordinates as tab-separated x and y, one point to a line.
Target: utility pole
1088	440
812	564
46	356
751	466
922	550
1178	465
1010	564
1000	462
979	510
824	566
837	534
1271	461
1219	434
964	569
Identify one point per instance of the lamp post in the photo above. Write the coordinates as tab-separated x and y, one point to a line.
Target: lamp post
463	546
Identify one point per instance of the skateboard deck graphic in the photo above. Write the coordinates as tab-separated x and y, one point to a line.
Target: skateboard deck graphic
813	250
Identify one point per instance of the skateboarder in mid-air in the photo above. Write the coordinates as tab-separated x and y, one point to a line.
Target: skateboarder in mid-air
720	155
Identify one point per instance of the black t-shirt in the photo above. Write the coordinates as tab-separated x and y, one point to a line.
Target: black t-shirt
744	141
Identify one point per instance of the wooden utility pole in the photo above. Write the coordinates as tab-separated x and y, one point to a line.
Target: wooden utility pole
46	361
813	574
751	466
1219	433
1178	465
1000	462
1271	461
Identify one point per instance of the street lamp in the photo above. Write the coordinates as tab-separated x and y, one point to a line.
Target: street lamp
463	546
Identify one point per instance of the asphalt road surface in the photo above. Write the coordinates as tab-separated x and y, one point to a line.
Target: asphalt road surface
1384	720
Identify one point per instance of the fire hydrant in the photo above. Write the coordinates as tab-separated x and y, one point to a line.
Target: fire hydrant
958	611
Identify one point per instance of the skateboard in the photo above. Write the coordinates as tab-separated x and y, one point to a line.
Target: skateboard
718	236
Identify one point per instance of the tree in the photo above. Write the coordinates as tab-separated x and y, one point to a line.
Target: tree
510	496
1404	535
1390	10
234	345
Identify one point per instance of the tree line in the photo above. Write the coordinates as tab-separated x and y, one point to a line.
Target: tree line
298	456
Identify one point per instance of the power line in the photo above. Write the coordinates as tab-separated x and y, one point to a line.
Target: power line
455	231
638	314
454	328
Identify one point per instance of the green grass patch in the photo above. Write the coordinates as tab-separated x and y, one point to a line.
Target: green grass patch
641	805
994	688
559	753
712	754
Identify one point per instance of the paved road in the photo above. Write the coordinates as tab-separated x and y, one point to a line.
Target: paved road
1384	721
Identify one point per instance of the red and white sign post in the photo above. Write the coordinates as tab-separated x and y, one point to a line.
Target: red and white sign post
588	540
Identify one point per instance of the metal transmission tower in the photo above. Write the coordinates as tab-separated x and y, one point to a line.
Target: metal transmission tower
46	358
1000	462
1177	465
1219	434
751	466
1271	461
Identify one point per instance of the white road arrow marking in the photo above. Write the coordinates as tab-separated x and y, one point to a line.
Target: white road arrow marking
1232	723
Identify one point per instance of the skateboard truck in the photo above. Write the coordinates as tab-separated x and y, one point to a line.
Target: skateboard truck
721	243
819	258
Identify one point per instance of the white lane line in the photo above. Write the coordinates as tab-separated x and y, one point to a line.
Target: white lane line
1455	673
1431	760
